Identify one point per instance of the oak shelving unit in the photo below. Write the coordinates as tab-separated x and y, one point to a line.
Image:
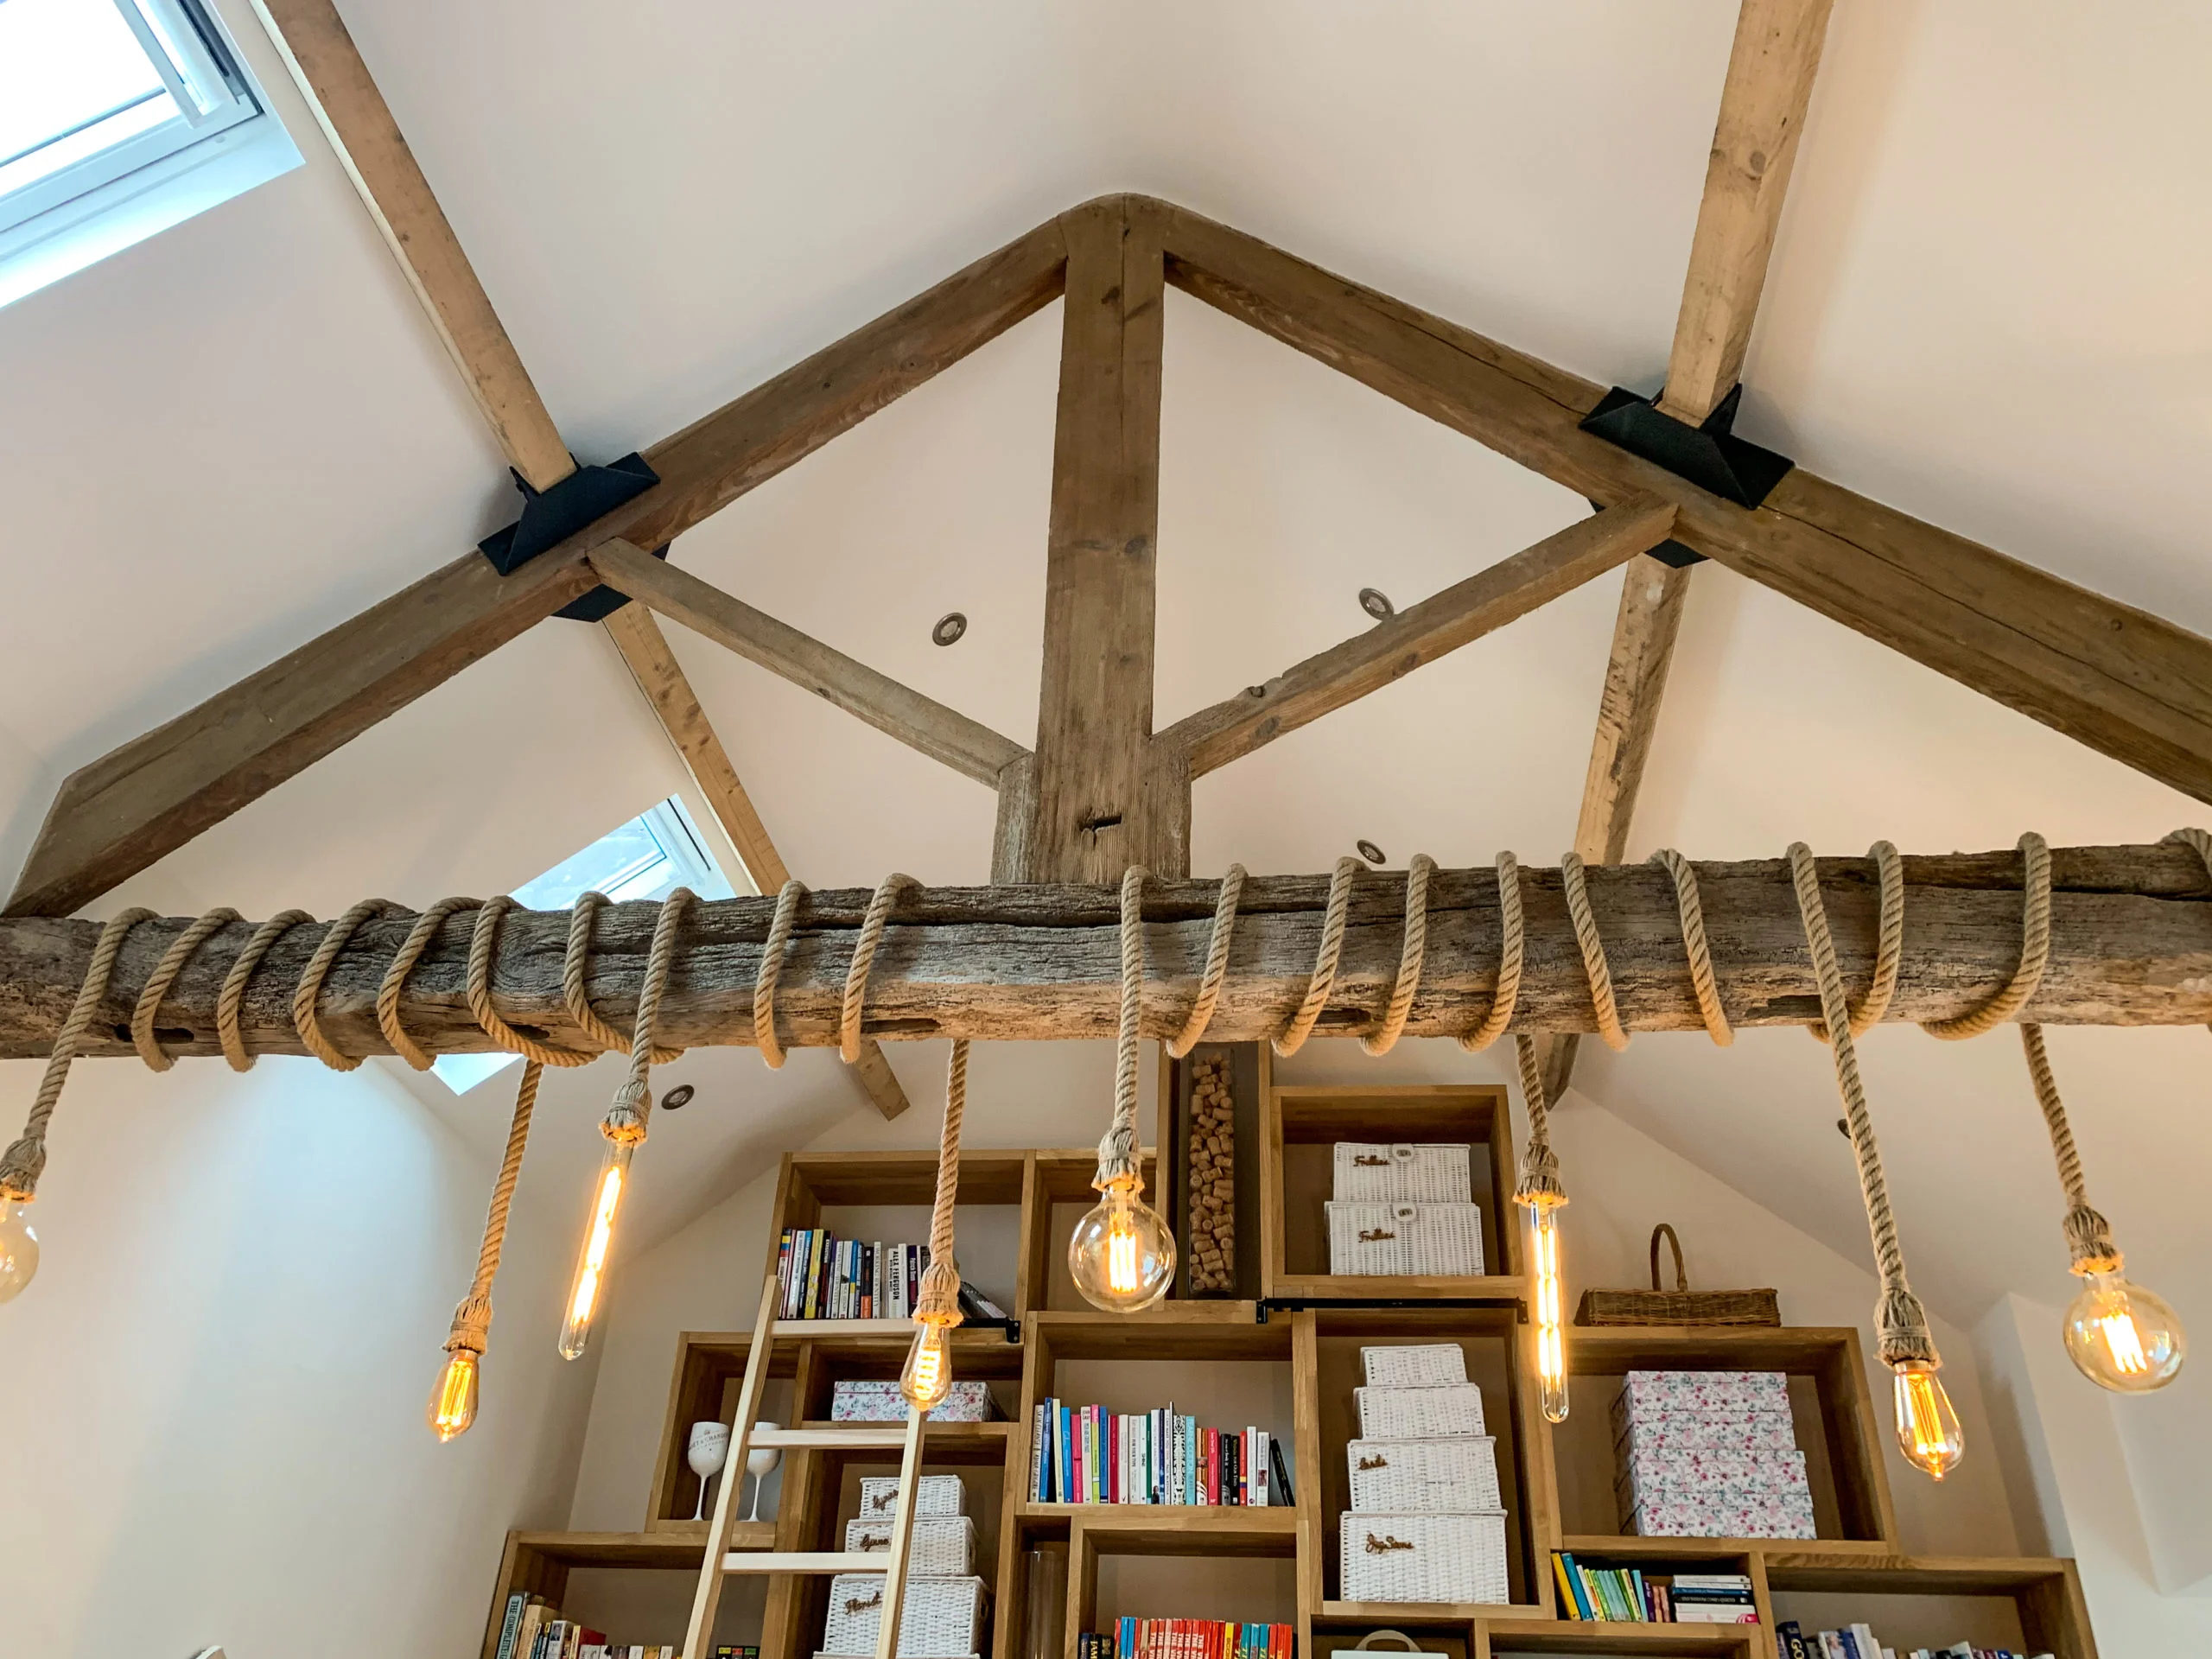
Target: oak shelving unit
1225	1359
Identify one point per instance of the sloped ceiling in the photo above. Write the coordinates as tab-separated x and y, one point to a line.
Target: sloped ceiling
1986	306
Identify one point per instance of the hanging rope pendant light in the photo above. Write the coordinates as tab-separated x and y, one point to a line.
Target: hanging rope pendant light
1542	1197
927	1377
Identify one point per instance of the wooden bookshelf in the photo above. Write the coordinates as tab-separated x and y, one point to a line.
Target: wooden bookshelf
1227	1360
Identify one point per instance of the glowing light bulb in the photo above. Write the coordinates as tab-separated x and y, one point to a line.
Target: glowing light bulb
1927	1429
1123	1254
585	1292
2123	1338
1547	1296
18	1247
928	1377
453	1401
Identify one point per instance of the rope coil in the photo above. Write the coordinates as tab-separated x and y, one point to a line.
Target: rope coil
472	1319
2089	1236
937	1300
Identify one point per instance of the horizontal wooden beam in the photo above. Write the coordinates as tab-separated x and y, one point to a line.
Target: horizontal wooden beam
1421	634
2131	944
2118	679
967	745
117	816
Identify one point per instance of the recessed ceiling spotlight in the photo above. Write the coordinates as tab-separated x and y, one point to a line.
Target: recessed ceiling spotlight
1376	604
949	628
1368	849
677	1098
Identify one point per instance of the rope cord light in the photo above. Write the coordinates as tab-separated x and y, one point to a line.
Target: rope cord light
453	1400
927	1375
1541	1197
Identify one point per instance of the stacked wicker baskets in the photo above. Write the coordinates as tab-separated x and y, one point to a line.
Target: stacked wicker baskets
943	1614
1426	1522
1404	1210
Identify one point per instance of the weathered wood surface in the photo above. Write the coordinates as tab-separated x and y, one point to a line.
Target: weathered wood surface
2132	945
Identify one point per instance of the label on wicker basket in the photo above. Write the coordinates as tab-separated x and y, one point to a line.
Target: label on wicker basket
933	1494
1424	1477
1453	1409
1399	1557
944	1545
1413	1365
1368	1239
1424	1172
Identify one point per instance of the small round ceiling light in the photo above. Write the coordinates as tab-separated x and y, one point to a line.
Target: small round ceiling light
948	629
1376	604
677	1098
1368	849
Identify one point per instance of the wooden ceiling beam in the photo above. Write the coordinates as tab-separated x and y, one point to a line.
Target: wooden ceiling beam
2126	682
668	691
1419	634
2131	944
967	745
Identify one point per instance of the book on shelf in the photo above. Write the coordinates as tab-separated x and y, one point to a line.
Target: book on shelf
821	1276
1086	1454
1628	1595
534	1629
1187	1638
1858	1640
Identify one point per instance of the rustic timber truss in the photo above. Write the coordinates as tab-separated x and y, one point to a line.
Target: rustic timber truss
1101	790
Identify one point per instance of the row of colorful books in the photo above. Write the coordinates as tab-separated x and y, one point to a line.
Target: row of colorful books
1627	1594
822	1277
533	1628
1186	1638
1860	1642
1087	1454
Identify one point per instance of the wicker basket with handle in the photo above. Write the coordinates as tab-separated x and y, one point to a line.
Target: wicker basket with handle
1424	1477
1424	1557
940	1620
943	1546
1681	1305
933	1494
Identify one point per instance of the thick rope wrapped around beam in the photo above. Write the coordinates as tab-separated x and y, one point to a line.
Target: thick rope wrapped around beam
307	997
25	1160
2035	950
483	947
771	970
1593	951
2200	842
1325	961
1691	908
1410	958
181	951
1209	997
626	1115
1512	941
576	968
937	1301
395	980
1901	1323
472	1320
1538	1184
231	998
864	948
2089	1236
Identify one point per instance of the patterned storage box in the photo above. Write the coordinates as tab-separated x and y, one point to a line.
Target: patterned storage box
1435	1173
933	1494
1424	1557
1454	1409
1776	1514
1651	1394
942	1618
1720	1432
1424	1477
877	1400
1411	1365
943	1546
1647	1473
1369	1238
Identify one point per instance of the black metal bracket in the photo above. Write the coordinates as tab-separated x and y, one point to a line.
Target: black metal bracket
1710	455
550	516
1266	1305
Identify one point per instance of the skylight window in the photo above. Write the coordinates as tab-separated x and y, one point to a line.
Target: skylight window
651	856
117	118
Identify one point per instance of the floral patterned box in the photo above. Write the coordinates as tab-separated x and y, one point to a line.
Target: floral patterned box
1774	1515
876	1401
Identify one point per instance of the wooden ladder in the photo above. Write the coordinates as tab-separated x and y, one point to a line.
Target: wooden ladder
719	1561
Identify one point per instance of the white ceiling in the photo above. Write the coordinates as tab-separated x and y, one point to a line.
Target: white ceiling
1986	306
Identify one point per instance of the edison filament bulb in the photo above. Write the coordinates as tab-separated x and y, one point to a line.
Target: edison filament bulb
18	1246
588	1289
1123	1254
2122	1336
1548	1298
1927	1429
453	1401
928	1375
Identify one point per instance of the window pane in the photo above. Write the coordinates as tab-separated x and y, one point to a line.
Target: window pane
64	63
604	865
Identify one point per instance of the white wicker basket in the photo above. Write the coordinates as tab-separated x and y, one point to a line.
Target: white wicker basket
943	1546
1454	1409
933	1494
1369	1238
1424	1477
1424	1557
1414	1365
1429	1174
942	1618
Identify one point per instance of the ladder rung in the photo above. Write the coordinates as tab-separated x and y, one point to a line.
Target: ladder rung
867	1435
826	1560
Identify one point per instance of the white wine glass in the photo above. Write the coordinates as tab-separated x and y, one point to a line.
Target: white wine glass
759	1463
706	1451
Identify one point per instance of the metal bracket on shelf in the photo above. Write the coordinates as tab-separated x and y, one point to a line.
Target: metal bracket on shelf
1292	1304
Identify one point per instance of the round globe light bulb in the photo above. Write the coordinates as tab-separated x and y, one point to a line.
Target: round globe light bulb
2122	1336
1123	1254
453	1400
1927	1429
927	1377
18	1248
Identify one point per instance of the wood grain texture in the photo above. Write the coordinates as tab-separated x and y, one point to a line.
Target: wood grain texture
2124	682
1771	69
1420	634
668	691
327	68
119	814
942	734
1088	799
2132	945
